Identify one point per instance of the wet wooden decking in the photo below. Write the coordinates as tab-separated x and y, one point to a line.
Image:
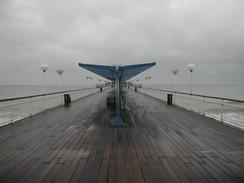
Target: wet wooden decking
161	144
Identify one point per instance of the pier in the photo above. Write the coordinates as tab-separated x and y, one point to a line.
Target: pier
161	143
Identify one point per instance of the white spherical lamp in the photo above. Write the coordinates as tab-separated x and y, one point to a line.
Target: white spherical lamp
175	71
191	67
60	71
44	67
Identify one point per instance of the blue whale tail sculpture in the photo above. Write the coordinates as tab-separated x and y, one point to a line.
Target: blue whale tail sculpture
118	74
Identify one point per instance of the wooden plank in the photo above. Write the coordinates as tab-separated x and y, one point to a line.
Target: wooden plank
137	171
103	174
112	173
76	177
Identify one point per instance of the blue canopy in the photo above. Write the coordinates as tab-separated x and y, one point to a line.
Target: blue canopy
124	72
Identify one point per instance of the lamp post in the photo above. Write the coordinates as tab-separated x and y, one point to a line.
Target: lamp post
44	68
175	72
88	78
148	77
191	68
60	72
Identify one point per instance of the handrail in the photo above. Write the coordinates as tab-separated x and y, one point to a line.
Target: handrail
223	109
30	105
197	95
45	94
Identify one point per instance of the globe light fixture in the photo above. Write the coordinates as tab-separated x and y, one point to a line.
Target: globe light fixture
191	67
88	78
44	67
60	71
175	72
148	77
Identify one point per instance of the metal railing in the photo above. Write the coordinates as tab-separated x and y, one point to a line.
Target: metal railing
14	109
223	109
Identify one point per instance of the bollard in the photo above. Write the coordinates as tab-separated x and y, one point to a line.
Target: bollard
101	89
135	89
67	99
169	99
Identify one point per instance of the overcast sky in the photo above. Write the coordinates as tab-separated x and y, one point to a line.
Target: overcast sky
61	33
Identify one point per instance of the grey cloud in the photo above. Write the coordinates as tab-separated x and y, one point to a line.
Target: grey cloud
175	32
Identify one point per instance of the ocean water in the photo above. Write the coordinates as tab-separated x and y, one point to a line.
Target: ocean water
232	91
12	91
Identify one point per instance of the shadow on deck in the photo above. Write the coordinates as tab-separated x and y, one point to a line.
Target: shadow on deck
161	144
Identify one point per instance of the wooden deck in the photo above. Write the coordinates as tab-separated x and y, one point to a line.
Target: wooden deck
161	144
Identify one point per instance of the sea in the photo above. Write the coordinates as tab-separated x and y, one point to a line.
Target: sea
232	91
13	91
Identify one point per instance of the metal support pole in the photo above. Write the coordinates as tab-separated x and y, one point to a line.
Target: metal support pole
44	91
12	115
203	101
191	82
117	95
61	89
174	90
117	121
31	107
191	91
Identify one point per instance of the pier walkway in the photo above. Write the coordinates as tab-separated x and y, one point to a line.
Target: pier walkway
160	144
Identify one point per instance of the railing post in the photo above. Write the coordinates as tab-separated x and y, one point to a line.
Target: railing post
222	110
30	107
12	115
44	103
203	101
61	99
191	102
